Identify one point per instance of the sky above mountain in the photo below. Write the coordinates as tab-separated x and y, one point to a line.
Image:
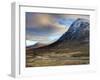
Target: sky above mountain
47	28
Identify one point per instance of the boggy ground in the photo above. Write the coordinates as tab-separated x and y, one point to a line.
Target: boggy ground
71	54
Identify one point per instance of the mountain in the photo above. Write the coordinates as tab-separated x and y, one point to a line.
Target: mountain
79	31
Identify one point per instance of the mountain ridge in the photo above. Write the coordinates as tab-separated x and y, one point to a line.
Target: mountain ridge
78	32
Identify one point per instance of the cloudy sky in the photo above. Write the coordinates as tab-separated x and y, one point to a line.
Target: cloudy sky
47	28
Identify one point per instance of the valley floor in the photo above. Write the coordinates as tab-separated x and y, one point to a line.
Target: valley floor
72	55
